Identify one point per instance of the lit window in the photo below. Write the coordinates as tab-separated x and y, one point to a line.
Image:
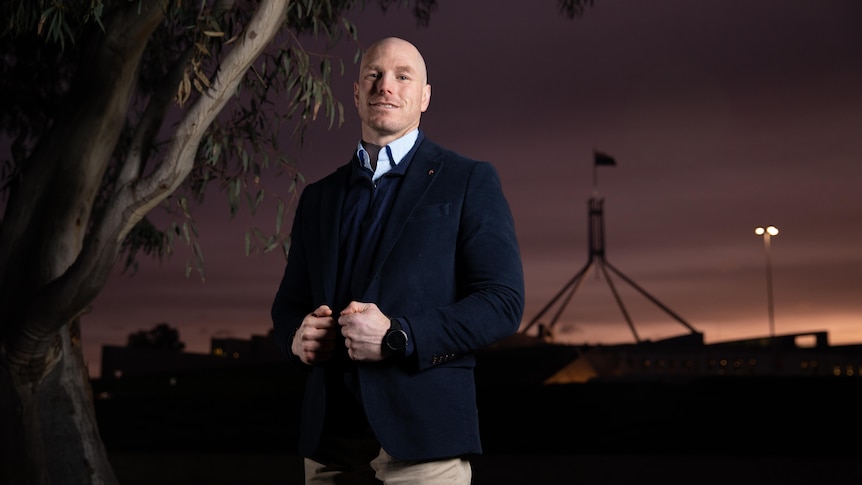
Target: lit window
806	341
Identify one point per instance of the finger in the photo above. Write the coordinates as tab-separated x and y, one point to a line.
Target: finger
354	307
317	349
320	332
322	311
345	320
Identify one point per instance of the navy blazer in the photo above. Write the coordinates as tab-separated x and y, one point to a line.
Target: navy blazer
448	263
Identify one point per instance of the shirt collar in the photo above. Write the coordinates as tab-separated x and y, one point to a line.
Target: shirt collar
394	152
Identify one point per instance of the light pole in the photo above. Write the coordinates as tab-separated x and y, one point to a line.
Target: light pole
767	234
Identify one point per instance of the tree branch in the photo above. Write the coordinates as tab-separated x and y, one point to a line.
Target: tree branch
152	118
180	157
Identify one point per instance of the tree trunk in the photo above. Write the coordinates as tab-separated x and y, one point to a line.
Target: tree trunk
49	432
50	275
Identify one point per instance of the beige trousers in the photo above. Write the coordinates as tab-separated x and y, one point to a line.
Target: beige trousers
388	470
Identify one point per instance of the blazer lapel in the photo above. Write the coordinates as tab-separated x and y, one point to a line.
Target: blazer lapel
419	176
332	200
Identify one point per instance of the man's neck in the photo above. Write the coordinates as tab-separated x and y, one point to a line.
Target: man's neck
375	137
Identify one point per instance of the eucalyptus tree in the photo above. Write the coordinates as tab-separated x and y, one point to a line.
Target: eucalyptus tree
112	108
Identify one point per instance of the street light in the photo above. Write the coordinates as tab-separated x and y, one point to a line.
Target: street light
767	234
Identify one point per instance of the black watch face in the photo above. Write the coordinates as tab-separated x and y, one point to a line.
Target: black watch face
396	340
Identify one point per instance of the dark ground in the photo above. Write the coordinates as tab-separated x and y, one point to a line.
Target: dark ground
239	427
191	468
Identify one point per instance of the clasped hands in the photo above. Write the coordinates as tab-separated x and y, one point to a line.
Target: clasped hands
363	326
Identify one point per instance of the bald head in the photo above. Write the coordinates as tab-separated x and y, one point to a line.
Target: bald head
392	91
402	48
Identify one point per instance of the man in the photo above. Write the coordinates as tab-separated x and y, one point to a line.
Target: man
402	263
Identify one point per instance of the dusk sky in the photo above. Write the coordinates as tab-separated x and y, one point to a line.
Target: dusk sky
722	116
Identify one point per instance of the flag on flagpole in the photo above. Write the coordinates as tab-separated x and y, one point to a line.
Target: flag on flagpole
604	159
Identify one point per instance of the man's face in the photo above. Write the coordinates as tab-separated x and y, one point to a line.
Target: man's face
391	93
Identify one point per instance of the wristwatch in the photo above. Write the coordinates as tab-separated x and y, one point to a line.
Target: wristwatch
395	339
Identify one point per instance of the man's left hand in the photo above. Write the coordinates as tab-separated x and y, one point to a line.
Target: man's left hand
363	326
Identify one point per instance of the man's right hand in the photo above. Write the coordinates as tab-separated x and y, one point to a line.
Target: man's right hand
314	341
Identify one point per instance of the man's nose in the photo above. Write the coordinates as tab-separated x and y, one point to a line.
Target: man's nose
384	83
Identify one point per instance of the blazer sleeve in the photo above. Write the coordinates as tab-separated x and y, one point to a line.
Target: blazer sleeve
489	283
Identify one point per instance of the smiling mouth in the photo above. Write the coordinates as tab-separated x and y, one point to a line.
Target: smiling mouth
383	106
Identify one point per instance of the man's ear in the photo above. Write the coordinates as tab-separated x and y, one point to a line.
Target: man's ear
426	97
